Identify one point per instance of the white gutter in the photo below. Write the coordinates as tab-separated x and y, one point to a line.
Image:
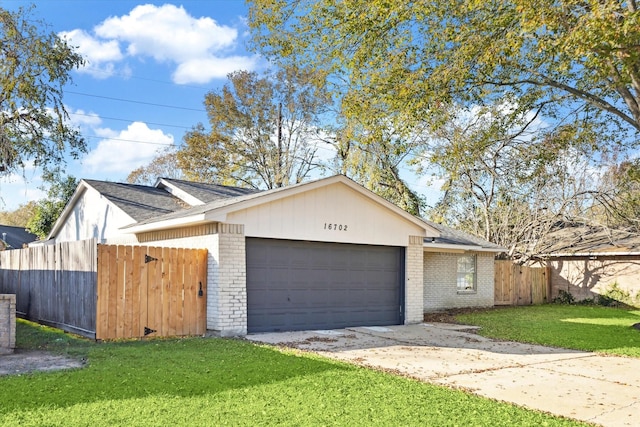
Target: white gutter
450	247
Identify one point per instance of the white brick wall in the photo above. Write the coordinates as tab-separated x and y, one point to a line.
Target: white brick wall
414	289
7	323
440	290
232	315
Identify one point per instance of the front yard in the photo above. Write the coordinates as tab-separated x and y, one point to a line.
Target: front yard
581	327
210	381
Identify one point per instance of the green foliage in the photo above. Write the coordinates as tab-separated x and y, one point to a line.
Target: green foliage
19	217
33	120
213	381
262	131
503	99
581	327
48	210
409	58
564	297
615	296
164	165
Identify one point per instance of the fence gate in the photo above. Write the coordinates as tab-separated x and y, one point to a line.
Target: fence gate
150	291
519	285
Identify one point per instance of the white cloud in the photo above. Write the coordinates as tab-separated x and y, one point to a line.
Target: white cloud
83	119
200	48
123	151
100	55
167	32
203	70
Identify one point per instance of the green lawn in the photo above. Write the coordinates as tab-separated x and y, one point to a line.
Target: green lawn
212	382
581	327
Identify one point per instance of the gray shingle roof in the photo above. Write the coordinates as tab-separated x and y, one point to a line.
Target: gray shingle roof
588	239
452	236
209	192
16	236
140	202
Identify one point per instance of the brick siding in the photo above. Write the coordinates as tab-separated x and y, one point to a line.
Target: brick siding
7	323
414	289
440	277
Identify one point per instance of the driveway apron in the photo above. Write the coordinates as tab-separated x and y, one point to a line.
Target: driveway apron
585	386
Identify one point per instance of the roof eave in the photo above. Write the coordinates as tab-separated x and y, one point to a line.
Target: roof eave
166	224
450	247
586	254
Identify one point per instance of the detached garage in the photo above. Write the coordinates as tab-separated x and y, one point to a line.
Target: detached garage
319	255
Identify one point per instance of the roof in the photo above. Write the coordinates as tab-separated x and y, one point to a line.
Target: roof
217	210
145	203
140	202
589	240
455	239
15	237
205	192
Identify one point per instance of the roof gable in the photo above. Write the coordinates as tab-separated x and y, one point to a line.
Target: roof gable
218	210
140	202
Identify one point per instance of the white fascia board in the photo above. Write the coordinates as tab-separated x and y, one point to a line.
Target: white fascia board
167	224
449	247
177	192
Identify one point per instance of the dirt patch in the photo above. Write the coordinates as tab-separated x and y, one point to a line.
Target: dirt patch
449	316
33	361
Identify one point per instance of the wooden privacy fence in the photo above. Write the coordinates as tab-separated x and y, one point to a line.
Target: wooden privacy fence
150	290
520	285
109	292
55	285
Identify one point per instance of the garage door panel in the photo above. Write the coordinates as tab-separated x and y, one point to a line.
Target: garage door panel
295	285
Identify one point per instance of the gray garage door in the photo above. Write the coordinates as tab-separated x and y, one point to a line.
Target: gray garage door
295	285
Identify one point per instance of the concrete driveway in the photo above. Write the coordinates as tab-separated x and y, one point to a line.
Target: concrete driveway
585	386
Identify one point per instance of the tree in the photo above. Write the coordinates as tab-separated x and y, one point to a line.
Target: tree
48	210
19	217
373	157
33	120
575	61
262	131
500	186
164	165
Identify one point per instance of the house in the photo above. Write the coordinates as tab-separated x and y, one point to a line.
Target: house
15	237
587	261
318	255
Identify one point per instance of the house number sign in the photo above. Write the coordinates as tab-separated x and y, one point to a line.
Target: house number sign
335	227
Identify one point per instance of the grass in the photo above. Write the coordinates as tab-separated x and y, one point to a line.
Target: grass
214	381
591	328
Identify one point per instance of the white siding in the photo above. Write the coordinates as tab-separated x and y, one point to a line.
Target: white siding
93	217
314	215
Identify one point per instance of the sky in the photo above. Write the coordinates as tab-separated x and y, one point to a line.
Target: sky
148	68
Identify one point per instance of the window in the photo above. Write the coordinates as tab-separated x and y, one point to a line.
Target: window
467	273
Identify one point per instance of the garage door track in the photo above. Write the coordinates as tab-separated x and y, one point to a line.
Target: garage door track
585	386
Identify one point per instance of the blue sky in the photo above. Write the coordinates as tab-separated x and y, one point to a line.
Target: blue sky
149	66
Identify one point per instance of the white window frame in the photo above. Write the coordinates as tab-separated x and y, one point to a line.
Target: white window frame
466	273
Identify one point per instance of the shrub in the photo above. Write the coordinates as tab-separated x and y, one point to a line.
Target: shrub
564	297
